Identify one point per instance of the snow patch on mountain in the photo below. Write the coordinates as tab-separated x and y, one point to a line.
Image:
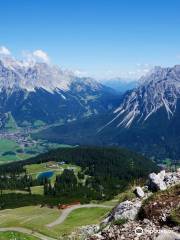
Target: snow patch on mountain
32	75
159	89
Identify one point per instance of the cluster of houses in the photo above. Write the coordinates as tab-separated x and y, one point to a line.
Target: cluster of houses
53	164
19	137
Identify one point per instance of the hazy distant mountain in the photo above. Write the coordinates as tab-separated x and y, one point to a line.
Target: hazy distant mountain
121	85
33	92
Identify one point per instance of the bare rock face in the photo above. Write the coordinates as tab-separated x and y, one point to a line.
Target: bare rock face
172	178
132	230
159	89
126	210
139	192
88	230
168	235
156	211
156	181
163	180
145	230
162	175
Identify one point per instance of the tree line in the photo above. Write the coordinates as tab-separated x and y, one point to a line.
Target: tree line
104	172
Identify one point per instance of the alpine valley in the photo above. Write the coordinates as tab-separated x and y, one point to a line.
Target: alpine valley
146	120
69	109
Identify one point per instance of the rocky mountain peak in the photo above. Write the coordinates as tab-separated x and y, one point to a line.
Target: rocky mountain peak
34	75
33	91
31	75
159	89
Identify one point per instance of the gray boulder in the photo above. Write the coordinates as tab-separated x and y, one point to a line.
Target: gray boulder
168	235
125	210
89	230
162	175
156	181
139	192
172	178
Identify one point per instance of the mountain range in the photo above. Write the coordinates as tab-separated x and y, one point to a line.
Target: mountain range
37	94
146	120
84	111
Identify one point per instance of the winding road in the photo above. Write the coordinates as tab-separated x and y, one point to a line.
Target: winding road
27	231
61	219
67	211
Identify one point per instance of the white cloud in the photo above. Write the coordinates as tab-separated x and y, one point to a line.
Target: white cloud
140	70
135	72
80	73
4	51
41	55
36	56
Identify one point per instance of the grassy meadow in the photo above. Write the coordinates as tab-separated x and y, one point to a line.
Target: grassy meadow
11	151
36	218
35	169
9	235
81	217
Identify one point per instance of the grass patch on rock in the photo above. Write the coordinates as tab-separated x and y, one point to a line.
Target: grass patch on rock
162	203
175	216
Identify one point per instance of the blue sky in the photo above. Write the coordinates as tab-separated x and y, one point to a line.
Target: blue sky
103	38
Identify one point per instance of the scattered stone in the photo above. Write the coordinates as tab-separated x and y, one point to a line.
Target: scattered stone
84	232
89	230
172	178
139	192
144	230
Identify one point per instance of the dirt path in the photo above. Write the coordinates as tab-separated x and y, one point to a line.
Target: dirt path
27	231
67	211
60	220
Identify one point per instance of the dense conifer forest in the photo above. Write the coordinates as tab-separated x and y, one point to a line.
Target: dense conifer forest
104	173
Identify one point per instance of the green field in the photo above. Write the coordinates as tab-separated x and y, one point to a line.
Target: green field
35	169
37	211
36	218
37	190
15	236
7	145
31	217
11	151
81	217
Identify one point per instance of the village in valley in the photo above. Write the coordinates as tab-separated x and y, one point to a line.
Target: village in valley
20	145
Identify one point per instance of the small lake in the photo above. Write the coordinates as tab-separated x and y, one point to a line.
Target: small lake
47	174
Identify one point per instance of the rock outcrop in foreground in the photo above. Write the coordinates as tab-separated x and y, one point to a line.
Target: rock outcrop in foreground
147	216
126	210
